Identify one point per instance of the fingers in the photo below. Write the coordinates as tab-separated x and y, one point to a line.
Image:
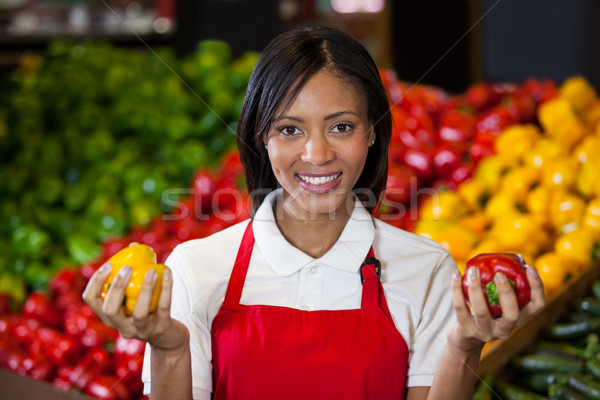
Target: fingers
509	305
91	294
458	299
163	310
144	300
538	298
479	308
116	293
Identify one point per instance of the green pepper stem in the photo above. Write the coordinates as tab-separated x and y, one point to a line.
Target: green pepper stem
492	291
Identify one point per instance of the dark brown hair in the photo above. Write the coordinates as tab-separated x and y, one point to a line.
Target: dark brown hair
287	63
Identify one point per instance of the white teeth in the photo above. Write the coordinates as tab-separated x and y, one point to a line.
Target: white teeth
321	180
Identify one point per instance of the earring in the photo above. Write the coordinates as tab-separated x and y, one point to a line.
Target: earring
372	142
266	148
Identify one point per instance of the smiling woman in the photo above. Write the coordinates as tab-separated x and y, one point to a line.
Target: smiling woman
313	297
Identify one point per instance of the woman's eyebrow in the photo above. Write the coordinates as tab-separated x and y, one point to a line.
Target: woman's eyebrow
340	113
290	118
328	117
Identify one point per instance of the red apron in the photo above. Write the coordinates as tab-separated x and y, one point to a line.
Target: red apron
272	352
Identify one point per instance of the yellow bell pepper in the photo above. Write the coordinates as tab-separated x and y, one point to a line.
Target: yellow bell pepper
591	115
458	240
580	245
141	258
554	270
516	140
519	181
520	232
488	245
477	223
473	193
555	112
588	179
591	217
588	149
490	171
500	204
577	91
544	150
429	228
560	122
537	204
444	206
566	211
461	266
569	133
560	172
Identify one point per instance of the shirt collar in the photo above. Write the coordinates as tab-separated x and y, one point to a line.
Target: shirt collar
347	254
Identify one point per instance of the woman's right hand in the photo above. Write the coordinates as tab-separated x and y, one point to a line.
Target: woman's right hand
157	328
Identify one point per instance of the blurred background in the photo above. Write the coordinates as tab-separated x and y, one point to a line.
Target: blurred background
449	44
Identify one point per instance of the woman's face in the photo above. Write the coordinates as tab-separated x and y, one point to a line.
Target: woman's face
318	146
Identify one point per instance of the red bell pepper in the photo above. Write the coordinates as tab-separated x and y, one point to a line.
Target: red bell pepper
421	161
401	182
37	367
511	265
62	380
107	387
38	306
446	159
457	128
67	280
204	189
129	358
63	351
95	362
482	95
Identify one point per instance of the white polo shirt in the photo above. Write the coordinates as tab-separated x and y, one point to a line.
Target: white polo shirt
416	277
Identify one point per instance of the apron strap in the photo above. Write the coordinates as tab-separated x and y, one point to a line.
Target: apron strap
240	268
372	293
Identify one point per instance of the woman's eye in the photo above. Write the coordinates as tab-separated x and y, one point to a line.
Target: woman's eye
289	130
342	128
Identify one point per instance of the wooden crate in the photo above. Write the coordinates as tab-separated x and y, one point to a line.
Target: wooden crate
16	387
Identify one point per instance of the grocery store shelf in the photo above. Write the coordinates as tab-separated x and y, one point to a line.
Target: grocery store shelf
19	387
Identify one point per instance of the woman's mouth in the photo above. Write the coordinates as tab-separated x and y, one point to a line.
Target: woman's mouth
318	183
319	180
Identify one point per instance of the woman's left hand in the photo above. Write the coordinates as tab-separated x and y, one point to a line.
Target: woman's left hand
475	325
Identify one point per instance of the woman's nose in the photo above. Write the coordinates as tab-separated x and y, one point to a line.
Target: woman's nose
318	150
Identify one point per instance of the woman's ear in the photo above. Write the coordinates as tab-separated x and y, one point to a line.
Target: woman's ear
372	137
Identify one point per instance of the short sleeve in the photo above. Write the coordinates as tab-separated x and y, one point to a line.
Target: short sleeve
184	308
431	333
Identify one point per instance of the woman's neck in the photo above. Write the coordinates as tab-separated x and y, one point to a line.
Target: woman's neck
313	235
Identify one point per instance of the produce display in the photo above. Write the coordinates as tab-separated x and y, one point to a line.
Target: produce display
92	137
94	140
563	363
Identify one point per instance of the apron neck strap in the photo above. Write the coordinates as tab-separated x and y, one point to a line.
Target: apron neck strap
240	268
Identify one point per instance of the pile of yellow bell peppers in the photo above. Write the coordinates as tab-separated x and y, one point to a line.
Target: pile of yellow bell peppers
538	195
